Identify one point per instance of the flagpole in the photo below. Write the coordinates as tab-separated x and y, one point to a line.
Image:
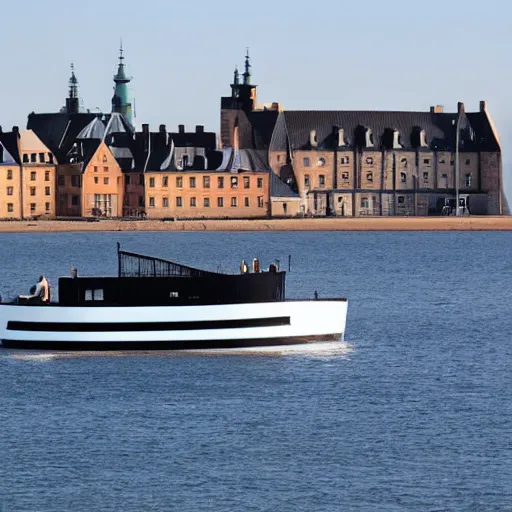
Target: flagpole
457	166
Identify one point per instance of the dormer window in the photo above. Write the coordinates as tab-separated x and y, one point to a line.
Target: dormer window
25	159
184	161
33	158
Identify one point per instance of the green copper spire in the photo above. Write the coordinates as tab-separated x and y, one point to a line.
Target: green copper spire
120	103
247	73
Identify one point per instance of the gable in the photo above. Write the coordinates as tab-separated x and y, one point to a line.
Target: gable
5	157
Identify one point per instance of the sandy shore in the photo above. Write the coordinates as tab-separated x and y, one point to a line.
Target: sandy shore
323	224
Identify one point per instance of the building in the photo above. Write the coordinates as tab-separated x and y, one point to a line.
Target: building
27	176
353	163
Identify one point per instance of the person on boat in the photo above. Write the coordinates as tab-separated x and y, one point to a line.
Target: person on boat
40	293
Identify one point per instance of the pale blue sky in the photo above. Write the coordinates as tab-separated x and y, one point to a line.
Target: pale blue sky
395	55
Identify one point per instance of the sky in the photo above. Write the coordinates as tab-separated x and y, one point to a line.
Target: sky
357	55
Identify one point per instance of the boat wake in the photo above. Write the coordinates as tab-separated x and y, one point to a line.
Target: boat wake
327	350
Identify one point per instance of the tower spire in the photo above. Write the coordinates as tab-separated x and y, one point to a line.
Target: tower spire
120	102
236	78
247	73
72	101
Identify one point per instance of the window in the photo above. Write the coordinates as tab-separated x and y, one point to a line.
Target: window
246	202
47	191
152	201
344	176
220	182
95	168
306	162
206	181
426	161
9	174
141	201
206	202
403	177
425	176
94	295
278	158
9	191
165	181
306	180
151	182
179	202
364	202
105	169
193	202
369	160
444	176
127	180
33	158
401	200
10	207
105	181
41	158
104	158
260	202
468	162
165	202
61	181
369	176
174	295
50	158
46	175
233	202
32	191
234	182
25	159
141	179
32	207
184	161
179	182
404	163
220	202
75	200
260	182
468	180
344	160
321	162
96	180
442	161
33	176
192	182
47	207
75	181
247	182
321	180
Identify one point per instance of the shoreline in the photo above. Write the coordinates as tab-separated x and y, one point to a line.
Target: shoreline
483	223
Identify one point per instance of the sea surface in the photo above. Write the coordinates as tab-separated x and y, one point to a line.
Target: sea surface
412	413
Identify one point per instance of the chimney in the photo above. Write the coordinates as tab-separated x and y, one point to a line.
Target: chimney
16	130
162	128
312	139
460	107
1	130
145	129
199	128
438	109
145	135
181	129
483	108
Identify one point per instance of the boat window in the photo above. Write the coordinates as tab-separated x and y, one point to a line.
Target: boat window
94	295
173	295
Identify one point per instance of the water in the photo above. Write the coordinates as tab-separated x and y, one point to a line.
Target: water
413	412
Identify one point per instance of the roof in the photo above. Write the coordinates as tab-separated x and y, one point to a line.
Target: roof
279	188
9	142
294	127
31	142
236	160
82	152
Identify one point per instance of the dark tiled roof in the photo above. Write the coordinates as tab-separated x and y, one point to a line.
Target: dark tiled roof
255	128
279	188
9	141
439	128
82	151
236	160
59	131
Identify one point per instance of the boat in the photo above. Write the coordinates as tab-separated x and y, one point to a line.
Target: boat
157	304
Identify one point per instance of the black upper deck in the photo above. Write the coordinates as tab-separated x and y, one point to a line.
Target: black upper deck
147	281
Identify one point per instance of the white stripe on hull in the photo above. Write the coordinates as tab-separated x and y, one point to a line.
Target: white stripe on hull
307	319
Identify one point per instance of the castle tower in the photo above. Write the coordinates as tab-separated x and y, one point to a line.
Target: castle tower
72	101
120	103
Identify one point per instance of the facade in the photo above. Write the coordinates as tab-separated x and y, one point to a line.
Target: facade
27	177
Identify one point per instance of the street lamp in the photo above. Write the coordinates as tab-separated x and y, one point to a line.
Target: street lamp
457	166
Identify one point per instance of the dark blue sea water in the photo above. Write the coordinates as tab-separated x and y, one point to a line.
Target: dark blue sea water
413	413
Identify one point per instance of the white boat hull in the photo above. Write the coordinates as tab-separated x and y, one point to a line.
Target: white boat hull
172	327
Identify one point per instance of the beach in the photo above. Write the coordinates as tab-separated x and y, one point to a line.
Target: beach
483	223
